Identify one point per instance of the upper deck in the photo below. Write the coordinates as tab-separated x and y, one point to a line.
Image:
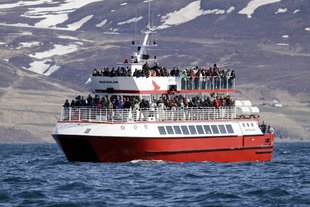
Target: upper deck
162	85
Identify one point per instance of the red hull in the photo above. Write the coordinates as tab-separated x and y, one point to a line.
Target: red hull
216	149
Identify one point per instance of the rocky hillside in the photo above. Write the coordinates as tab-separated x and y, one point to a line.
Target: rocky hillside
45	41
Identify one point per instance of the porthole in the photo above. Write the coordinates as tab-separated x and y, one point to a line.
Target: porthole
135	127
122	127
145	126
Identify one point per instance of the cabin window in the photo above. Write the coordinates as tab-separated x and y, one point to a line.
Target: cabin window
161	130
229	128
215	129
192	129
177	129
169	129
200	129
207	129
222	129
184	129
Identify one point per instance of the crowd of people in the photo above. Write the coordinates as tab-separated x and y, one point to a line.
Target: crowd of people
162	102
185	73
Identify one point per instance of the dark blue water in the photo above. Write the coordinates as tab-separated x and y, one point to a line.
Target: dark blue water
39	175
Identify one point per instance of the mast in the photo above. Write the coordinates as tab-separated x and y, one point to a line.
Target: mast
145	38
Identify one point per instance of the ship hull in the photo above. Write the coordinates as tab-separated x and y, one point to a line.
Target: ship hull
253	148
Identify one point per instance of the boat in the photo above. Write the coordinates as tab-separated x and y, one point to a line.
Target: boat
162	114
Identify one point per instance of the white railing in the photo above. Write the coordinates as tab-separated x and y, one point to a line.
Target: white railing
207	83
128	115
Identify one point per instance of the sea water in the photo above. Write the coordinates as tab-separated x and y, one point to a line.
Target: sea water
40	175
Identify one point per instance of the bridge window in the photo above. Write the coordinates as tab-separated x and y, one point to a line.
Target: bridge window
192	129
222	129
185	129
200	129
207	129
169	129
177	129
215	129
229	128
161	130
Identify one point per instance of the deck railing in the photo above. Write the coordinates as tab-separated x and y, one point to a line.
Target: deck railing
128	115
208	83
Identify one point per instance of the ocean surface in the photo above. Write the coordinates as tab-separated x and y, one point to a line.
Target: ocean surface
39	175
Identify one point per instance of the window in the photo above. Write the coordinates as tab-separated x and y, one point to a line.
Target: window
207	129
252	124
222	129
185	129
200	129
169	129
161	130
229	128
248	124
177	129
215	129
192	129
243	124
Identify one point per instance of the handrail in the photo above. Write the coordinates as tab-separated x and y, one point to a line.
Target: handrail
140	115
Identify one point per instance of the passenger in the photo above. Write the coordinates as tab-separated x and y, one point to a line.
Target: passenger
66	104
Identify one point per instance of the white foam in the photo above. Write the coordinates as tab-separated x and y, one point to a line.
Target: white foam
77	25
2	43
307	28
102	23
253	5
132	20
280	10
285	36
296	11
57	50
123	4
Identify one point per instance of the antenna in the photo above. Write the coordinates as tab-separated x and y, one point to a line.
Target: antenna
149	20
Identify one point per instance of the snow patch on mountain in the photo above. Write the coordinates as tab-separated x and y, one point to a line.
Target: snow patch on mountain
28	44
282	44
254	4
102	23
132	20
24	4
186	14
280	10
43	67
57	50
230	10
50	16
189	13
77	25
